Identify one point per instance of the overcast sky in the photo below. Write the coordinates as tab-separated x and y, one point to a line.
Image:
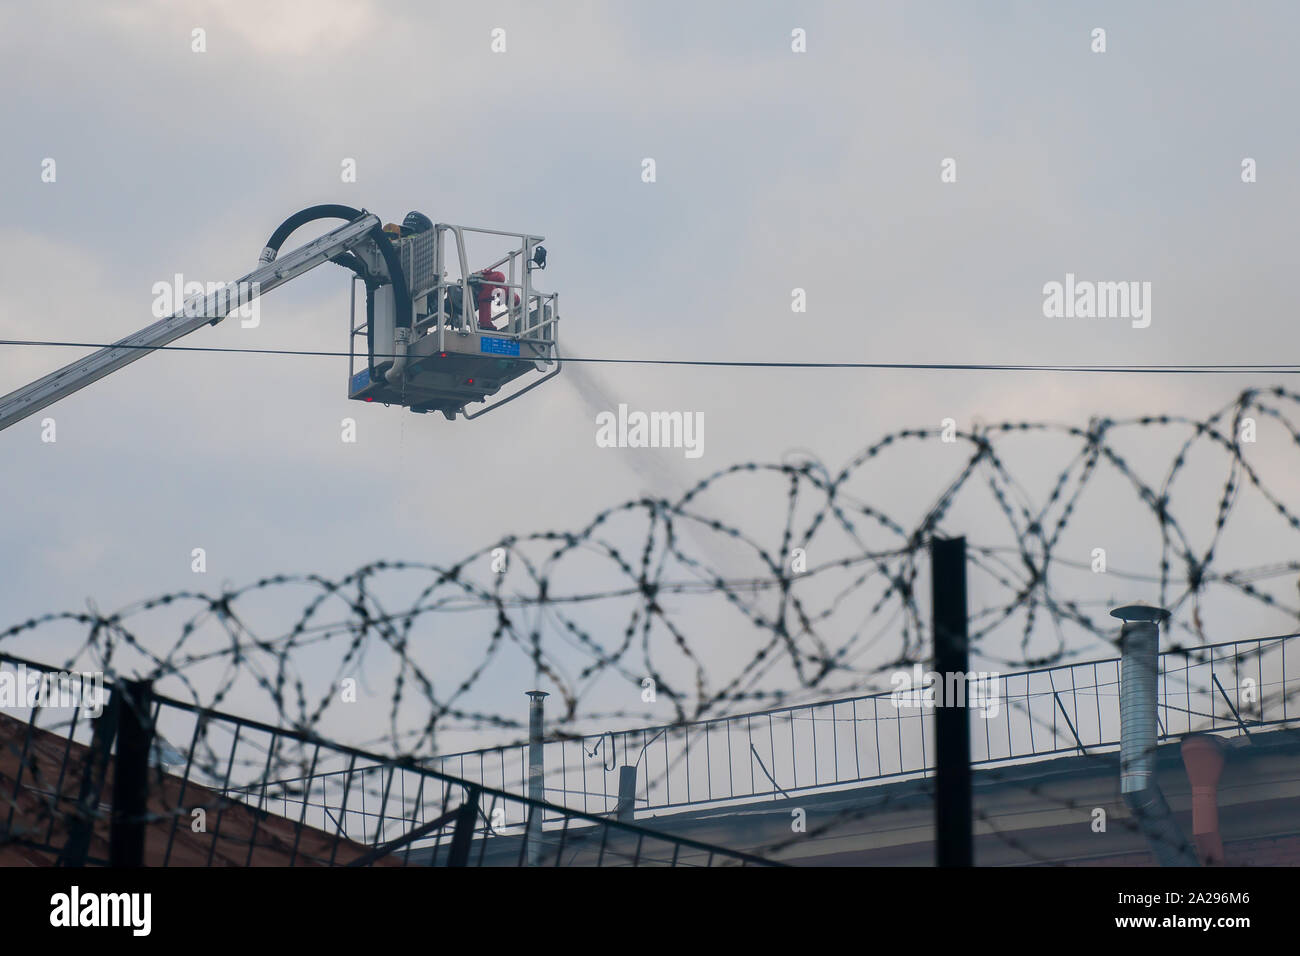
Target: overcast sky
775	170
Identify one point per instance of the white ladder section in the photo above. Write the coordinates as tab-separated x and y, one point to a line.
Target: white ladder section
214	307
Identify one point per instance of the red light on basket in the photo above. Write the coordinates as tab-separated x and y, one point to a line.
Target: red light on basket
442	355
469	381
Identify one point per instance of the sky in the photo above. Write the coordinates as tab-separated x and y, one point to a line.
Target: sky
775	170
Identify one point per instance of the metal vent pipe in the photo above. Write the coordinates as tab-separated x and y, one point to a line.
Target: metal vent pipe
1139	656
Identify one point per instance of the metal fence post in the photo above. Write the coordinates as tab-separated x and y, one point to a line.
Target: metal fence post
626	806
462	837
82	826
952	801
131	775
536	773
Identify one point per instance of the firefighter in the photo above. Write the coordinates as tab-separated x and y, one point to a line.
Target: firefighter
414	223
484	283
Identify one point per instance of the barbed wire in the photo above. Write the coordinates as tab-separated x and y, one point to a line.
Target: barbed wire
828	601
821	602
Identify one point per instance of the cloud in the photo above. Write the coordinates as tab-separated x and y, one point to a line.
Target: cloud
775	171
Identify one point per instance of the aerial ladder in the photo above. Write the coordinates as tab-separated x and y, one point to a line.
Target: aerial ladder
425	347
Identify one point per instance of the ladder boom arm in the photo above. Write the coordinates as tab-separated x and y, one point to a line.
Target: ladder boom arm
197	311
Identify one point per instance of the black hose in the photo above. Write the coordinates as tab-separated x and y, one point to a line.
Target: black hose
336	211
304	216
370	326
350	260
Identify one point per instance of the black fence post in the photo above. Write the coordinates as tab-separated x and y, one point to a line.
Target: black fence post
76	850
131	775
462	837
952	802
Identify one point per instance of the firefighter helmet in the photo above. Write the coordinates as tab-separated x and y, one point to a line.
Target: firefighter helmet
416	222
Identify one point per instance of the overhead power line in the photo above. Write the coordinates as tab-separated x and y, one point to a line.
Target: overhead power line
1151	368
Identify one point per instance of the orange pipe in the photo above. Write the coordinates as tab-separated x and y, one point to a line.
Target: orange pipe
1203	758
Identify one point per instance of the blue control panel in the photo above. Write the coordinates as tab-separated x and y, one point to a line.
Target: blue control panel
495	346
360	380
